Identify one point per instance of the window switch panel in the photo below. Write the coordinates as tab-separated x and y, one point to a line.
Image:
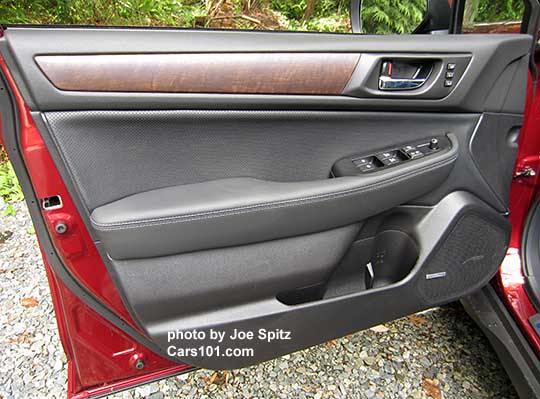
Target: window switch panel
389	158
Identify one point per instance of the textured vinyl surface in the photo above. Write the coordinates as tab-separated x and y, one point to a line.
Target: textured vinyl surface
113	154
213	279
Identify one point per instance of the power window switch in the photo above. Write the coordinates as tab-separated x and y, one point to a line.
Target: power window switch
368	167
362	161
450	66
385	155
449	74
448	83
390	161
408	148
415	154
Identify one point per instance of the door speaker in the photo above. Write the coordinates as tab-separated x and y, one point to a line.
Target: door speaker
467	259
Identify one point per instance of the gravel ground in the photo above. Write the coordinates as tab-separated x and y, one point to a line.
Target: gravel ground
437	354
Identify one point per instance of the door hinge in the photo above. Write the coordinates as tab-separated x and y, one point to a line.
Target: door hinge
526	168
527	171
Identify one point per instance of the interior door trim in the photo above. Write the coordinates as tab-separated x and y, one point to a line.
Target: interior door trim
231	73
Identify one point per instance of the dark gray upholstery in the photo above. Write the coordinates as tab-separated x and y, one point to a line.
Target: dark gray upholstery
192	282
163	174
114	154
243	210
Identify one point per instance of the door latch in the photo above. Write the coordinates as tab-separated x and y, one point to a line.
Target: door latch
526	171
399	75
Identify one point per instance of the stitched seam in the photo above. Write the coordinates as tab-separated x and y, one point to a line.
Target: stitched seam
262	207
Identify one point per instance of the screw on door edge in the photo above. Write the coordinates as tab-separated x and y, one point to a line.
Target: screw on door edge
60	227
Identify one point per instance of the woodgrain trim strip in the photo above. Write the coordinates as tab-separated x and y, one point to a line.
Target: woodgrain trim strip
235	73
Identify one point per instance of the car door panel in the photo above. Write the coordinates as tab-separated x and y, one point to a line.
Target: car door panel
207	177
493	54
215	211
293	147
314	316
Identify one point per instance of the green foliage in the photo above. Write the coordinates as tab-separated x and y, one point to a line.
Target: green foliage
327	15
102	12
9	211
477	11
501	10
378	16
333	23
392	16
292	10
10	190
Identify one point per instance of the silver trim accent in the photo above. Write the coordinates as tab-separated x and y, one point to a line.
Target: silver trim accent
389	83
369	268
432	276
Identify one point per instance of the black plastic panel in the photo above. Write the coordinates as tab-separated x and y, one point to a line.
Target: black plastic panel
176	286
444	228
494	147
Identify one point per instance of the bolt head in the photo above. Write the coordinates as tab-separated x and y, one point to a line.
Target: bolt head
60	227
139	364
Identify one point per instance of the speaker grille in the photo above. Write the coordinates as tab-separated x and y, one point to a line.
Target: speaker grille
471	253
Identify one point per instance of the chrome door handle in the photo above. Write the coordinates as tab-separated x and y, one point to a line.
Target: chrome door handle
390	83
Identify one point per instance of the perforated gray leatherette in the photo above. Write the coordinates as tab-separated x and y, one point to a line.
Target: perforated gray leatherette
114	154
